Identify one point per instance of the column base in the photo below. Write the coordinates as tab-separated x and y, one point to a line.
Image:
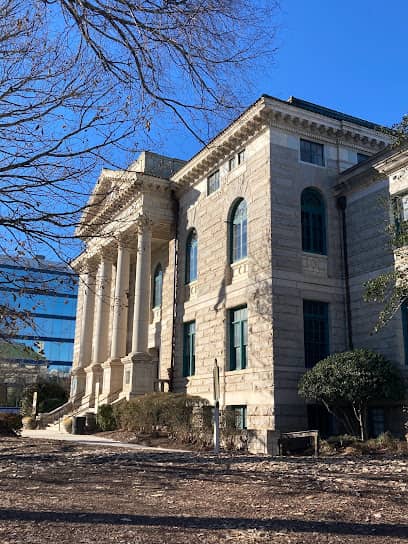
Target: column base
94	376
138	376
112	380
78	381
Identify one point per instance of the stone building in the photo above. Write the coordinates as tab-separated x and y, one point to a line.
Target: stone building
252	253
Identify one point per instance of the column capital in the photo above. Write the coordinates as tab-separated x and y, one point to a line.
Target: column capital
143	222
125	240
107	253
89	265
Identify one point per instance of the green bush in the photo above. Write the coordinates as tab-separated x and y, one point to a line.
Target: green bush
106	418
180	415
346	383
10	424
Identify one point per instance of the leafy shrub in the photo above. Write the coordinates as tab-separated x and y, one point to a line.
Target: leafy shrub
180	415
106	418
67	424
10	424
345	383
29	422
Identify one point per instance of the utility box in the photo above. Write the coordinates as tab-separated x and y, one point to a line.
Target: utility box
78	425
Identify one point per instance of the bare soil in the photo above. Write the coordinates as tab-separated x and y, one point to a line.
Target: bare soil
62	492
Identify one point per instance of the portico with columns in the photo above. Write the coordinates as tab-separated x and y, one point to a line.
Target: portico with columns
112	356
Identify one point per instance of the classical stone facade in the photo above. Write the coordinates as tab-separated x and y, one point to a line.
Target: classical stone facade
215	258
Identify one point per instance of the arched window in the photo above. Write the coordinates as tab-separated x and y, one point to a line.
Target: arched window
157	286
313	222
238	232
191	257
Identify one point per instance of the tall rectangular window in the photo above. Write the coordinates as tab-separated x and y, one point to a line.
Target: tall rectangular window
311	152
213	182
189	349
404	312
316	331
238	332
237	416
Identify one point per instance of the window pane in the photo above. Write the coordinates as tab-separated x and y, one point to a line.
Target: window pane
213	182
191	257
313	222
316	331
239	232
238	338
312	152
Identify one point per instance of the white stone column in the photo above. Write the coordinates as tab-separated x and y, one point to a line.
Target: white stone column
120	308
141	315
102	309
138	377
87	285
87	279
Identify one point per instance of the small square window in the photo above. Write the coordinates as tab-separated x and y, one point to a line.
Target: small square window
231	163
241	156
361	157
236	417
311	152
213	182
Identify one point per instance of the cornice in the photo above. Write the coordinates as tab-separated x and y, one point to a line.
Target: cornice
268	112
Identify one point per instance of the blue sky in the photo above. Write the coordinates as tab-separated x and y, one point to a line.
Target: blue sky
347	55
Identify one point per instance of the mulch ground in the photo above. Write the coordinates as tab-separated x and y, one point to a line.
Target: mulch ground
60	492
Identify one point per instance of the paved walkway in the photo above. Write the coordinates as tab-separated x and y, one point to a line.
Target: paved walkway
90	439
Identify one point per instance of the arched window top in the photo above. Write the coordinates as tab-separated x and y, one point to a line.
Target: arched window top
312	199
157	286
238	231
191	256
313	221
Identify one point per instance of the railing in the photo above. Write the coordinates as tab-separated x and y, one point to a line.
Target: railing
52	417
161	386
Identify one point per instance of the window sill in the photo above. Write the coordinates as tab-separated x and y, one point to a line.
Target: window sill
239	269
313	164
191	290
156	314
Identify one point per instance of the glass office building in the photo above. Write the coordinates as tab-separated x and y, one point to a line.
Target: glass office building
46	294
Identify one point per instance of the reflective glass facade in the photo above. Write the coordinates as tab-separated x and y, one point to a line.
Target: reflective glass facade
47	291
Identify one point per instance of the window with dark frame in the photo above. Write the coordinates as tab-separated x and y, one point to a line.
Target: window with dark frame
189	330
237	415
157	286
213	182
313	222
238	232
191	257
361	157
316	331
231	163
311	152
238	336
241	156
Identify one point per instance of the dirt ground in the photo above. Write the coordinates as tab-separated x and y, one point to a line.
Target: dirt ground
61	492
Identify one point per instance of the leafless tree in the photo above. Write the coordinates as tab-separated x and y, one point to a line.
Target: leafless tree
84	83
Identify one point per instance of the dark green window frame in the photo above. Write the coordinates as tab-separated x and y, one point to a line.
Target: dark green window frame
238	414
191	257
238	338
312	152
238	232
157	287
313	221
189	330
316	331
213	182
404	314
